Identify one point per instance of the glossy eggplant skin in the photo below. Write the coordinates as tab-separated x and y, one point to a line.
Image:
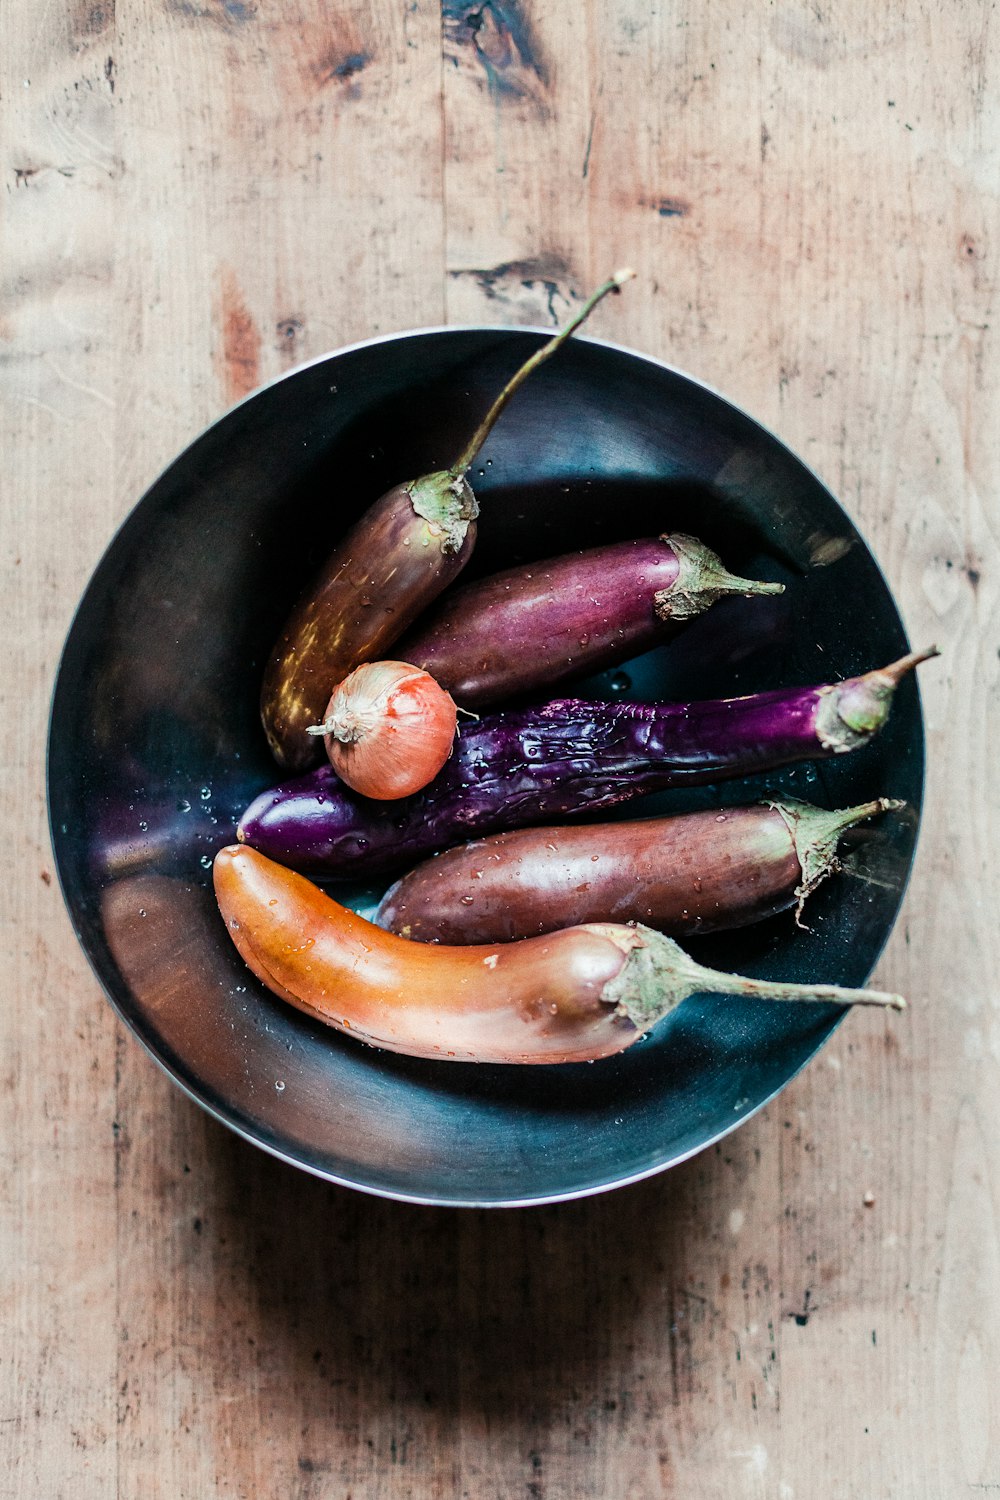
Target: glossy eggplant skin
536	1002
390	567
541	624
503	635
700	872
536	765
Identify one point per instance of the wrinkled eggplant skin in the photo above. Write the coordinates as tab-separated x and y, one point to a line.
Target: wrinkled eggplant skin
383	574
545	622
532	765
703	872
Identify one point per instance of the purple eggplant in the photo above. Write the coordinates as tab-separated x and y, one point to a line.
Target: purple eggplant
533	765
700	872
545	622
392	564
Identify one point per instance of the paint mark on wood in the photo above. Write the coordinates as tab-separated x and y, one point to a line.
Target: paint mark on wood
501	40
239	361
673	208
109	73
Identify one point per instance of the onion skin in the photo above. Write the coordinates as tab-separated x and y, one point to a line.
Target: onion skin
538	765
389	729
573	996
696	873
543	623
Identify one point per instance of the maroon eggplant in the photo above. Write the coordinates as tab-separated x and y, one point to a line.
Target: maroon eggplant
392	564
699	872
535	765
546	622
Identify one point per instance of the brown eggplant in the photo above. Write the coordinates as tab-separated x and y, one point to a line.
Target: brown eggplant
392	564
699	872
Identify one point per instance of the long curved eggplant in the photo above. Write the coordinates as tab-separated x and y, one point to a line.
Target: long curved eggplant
537	765
545	622
700	872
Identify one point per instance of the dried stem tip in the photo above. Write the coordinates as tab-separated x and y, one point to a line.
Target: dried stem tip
467	457
657	975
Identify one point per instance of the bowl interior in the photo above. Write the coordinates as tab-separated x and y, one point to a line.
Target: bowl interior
156	747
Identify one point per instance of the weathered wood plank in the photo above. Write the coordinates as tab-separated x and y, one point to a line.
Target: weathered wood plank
196	196
282	188
58	1277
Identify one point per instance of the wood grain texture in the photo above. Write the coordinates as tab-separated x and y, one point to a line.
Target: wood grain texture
194	197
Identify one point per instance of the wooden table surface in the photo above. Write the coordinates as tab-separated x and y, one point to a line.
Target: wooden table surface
197	194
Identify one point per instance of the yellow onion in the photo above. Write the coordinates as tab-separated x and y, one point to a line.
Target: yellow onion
389	729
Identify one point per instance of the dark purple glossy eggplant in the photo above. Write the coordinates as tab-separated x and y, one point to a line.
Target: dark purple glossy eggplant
534	765
392	564
700	872
543	623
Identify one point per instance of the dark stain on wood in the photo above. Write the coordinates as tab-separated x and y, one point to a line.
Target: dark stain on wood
226	13
341	65
98	19
507	281
672	208
802	1318
350	65
500	36
90	19
239	363
289	334
24	175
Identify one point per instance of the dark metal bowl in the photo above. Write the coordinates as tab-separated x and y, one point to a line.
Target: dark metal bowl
156	748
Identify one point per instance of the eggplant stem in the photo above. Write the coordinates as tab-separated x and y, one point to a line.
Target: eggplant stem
897	670
482	432
657	975
815	833
702	580
849	713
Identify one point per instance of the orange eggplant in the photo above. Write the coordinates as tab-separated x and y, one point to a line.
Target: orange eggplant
572	996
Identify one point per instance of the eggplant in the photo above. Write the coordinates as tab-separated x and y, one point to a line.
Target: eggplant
392	564
542	623
577	996
533	765
700	872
